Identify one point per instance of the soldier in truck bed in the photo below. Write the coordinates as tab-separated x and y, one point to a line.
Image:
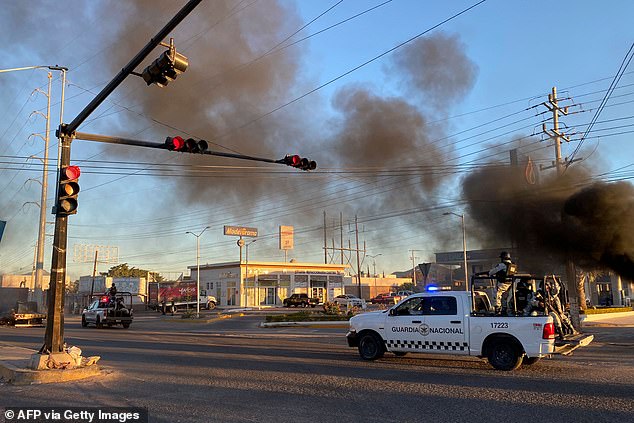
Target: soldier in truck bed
503	273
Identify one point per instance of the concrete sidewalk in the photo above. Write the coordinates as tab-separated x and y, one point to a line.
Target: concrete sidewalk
625	319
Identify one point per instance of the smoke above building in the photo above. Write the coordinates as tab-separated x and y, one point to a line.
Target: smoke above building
557	218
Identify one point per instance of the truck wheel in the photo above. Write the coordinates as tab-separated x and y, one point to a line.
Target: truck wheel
84	323
370	347
126	325
504	355
211	305
98	323
529	361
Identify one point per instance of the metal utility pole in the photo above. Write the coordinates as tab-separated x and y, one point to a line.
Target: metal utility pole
325	241
39	259
41	237
54	336
246	274
557	136
340	234
464	248
414	266
356	230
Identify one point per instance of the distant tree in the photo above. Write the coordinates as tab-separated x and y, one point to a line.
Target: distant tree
72	287
407	286
124	271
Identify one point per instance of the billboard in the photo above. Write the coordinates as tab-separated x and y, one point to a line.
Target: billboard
286	237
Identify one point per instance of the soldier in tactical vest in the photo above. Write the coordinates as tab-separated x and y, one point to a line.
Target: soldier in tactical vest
503	273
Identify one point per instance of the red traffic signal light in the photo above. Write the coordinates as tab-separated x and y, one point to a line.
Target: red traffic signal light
174	143
299	162
189	145
68	190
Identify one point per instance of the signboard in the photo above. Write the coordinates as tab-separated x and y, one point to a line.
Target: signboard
83	253
241	231
286	237
424	269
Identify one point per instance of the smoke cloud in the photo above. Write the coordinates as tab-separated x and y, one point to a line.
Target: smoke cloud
554	219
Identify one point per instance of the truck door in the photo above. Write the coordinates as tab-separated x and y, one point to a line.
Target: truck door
92	311
402	326
443	328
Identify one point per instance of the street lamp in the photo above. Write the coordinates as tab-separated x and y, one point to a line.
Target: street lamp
246	273
39	260
464	247
198	268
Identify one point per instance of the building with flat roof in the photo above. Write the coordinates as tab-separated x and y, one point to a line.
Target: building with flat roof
261	284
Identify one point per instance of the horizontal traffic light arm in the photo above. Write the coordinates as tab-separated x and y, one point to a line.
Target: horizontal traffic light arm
139	143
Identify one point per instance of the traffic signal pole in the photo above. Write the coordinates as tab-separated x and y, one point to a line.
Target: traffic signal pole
140	143
54	336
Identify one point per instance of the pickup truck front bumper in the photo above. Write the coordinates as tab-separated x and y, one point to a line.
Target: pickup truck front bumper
353	338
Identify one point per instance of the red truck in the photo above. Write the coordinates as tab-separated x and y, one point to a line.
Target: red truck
390	298
178	295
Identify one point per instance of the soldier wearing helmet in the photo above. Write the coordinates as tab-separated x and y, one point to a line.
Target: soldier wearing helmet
503	273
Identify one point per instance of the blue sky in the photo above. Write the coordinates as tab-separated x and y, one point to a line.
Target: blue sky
144	203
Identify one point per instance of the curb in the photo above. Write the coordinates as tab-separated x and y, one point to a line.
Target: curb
605	316
207	320
16	376
332	324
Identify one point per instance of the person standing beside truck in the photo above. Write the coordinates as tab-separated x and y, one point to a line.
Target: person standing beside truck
503	273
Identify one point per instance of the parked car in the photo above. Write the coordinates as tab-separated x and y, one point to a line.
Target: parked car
350	301
389	298
300	300
405	294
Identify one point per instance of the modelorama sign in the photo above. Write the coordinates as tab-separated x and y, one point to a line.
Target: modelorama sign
241	231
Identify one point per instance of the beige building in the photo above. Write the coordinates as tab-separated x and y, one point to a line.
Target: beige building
266	284
26	280
371	286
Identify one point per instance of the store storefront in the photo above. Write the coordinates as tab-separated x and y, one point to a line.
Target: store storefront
266	284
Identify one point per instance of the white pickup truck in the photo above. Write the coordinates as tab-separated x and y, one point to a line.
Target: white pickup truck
443	322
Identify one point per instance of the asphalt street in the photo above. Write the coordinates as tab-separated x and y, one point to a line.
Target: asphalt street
232	370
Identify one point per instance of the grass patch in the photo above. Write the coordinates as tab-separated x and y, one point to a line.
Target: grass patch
606	310
307	316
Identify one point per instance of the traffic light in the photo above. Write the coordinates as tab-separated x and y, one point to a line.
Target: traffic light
189	145
166	68
299	162
193	146
174	143
67	190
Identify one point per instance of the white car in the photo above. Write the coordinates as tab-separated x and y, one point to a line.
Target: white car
350	301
